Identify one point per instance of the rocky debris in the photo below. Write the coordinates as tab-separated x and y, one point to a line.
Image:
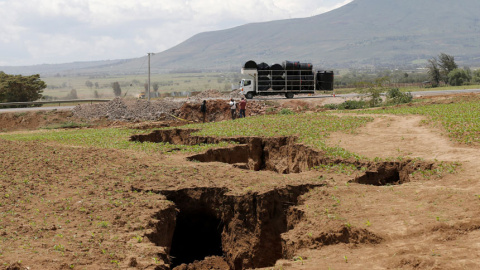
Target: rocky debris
167	109
120	109
236	94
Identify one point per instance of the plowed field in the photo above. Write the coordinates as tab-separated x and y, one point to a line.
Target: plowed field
412	202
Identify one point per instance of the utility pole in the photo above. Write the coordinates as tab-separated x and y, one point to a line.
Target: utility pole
148	90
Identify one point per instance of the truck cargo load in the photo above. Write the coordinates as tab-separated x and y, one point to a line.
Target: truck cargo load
289	78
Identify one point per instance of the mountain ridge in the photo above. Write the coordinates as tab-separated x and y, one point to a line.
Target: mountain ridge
363	33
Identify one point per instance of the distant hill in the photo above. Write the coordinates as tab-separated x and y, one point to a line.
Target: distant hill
380	33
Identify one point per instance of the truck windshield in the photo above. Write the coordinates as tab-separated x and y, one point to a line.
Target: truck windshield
246	82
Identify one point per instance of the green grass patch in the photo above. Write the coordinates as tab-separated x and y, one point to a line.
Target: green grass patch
109	138
311	129
68	124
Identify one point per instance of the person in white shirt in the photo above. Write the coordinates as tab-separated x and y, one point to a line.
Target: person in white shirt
233	107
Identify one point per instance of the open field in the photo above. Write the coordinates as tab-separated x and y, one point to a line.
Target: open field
132	85
390	188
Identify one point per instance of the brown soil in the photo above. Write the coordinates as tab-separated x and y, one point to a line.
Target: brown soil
253	205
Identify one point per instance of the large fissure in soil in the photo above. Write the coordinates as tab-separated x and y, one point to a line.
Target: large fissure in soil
244	229
278	154
283	155
391	173
197	235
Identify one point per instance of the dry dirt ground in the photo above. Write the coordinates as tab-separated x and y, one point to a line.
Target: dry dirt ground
64	207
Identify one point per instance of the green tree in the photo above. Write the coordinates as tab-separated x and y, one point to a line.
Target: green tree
18	88
447	64
373	90
156	86
89	84
433	72
476	76
117	90
458	77
72	94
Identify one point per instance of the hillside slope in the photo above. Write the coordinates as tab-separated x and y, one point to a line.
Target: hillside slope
364	32
394	33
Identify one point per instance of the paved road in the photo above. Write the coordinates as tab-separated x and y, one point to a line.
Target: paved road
32	109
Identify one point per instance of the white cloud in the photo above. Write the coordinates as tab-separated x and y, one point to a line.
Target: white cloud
57	31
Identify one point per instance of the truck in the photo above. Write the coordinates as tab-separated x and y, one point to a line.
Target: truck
289	78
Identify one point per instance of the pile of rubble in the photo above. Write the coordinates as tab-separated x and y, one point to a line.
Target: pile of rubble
130	110
120	109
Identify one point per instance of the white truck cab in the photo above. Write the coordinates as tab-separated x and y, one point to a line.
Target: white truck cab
247	88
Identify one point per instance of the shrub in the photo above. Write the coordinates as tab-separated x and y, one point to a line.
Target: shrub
285	111
458	77
331	106
348	105
394	96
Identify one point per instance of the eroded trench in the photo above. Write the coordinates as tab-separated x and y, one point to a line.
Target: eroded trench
244	230
283	155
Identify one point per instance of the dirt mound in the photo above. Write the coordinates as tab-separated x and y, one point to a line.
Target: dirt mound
37	120
209	263
218	110
325	237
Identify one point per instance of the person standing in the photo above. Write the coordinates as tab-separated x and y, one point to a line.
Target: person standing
243	105
203	109
233	107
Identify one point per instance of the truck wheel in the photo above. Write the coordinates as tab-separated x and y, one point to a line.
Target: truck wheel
249	95
289	95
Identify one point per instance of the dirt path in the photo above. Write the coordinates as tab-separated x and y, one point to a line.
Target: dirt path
425	224
395	136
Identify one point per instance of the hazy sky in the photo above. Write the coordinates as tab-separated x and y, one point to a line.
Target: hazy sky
61	31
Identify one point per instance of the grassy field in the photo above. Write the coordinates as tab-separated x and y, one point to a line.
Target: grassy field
461	121
311	129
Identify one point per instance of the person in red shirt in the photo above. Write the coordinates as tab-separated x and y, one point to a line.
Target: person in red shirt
243	105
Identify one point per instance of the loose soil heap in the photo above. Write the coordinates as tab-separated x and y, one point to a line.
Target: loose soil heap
165	109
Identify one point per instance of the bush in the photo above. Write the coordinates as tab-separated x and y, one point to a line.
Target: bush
285	111
476	76
394	96
331	106
458	77
352	105
348	105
